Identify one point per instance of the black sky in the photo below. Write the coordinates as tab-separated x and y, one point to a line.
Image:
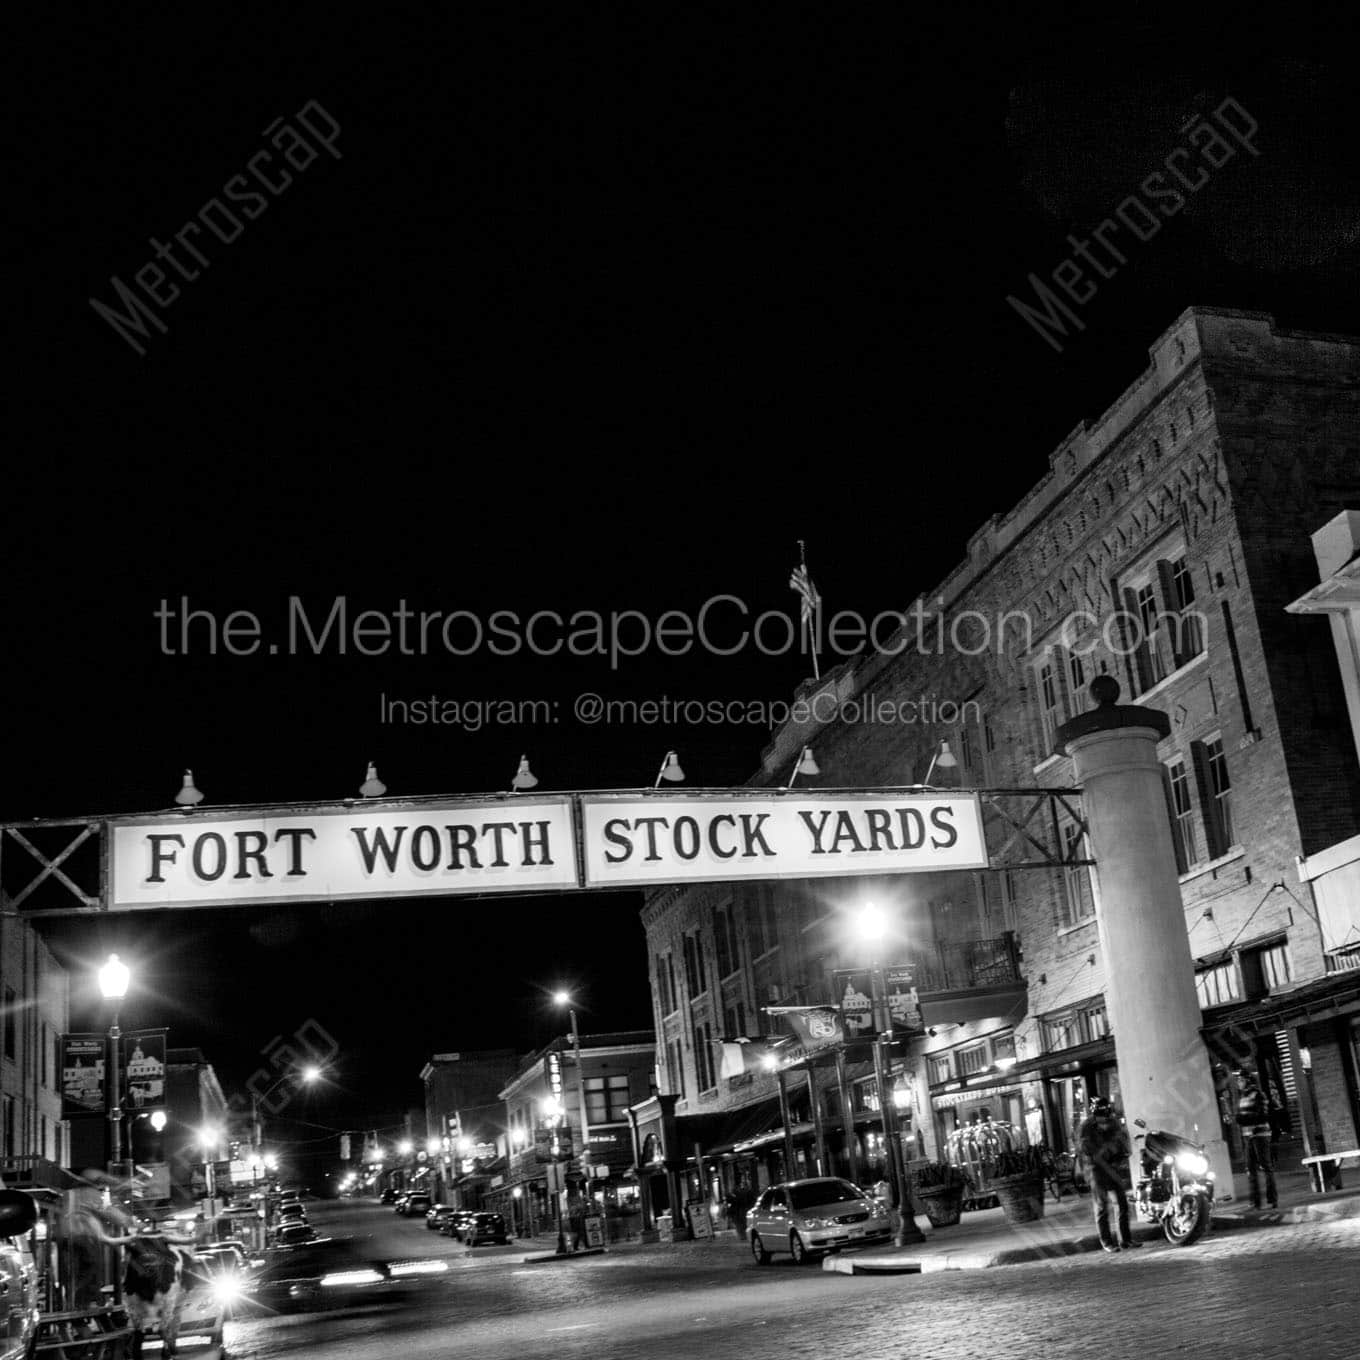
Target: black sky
595	311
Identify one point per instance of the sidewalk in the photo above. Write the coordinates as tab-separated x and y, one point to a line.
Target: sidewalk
983	1238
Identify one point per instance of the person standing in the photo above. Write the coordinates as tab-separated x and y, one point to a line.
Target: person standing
1105	1150
1253	1118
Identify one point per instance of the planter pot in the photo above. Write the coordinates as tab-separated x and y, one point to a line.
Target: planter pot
1021	1197
944	1203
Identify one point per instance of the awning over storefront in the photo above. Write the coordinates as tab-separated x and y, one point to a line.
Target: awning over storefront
1326	999
1060	1063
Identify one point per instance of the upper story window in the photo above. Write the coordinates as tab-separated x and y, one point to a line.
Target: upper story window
1052	706
1183	836
1266	968
972	1059
762	924
725	942
705	1071
1164	629
607	1099
11	1026
942	1067
1084	1023
1078	899
665	983
1220	791
1217	984
696	978
1076	678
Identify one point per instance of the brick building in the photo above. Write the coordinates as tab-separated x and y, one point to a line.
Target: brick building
619	1072
462	1101
1162	547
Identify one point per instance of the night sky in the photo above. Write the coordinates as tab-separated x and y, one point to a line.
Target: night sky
588	312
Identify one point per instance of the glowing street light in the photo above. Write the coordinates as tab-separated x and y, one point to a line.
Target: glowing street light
405	1148
871	924
114	977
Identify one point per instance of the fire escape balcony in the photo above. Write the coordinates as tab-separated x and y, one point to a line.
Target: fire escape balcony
961	980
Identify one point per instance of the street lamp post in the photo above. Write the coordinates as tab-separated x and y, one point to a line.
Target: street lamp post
114	977
872	928
564	999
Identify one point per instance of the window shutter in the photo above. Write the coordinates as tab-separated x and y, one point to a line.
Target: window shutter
1171	639
1136	659
1208	804
1181	866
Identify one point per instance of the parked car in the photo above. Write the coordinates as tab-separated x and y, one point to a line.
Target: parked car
809	1217
415	1205
478	1228
399	1204
388	1197
293	1212
18	1274
438	1215
454	1224
294	1235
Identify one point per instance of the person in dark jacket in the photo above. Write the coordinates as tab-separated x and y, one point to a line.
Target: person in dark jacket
1105	1150
1253	1118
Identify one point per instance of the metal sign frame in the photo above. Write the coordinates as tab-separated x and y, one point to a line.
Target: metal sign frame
1022	829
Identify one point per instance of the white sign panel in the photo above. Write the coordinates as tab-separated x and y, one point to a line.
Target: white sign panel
633	841
440	849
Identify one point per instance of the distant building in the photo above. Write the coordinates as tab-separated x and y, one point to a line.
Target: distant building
34	1008
619	1071
194	1105
462	1102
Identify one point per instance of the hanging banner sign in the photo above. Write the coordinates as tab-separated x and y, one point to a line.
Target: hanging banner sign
632	841
430	848
144	1069
82	1074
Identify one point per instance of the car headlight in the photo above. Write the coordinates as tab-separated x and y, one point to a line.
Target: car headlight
226	1289
814	1222
1193	1162
339	1278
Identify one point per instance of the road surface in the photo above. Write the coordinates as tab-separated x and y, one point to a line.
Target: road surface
1246	1294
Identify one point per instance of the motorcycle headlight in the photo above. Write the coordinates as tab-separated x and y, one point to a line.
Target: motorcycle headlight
1193	1162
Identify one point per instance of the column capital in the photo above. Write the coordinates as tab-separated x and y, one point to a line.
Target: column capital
1109	715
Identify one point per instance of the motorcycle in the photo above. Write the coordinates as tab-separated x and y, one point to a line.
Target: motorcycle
1175	1186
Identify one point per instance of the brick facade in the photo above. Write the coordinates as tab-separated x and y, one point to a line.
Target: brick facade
1193	498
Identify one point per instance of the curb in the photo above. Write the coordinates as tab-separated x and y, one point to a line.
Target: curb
843	1264
566	1256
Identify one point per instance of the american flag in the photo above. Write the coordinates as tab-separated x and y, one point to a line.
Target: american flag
802	583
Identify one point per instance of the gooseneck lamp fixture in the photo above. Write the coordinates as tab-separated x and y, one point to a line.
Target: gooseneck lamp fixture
372	787
524	778
670	771
188	796
944	758
806	765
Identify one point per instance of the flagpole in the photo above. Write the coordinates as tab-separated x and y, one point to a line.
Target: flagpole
810	621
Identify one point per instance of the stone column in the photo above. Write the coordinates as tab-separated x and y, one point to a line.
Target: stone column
1150	997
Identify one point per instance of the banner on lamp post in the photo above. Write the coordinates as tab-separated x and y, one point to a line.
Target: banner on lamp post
82	1074
143	1069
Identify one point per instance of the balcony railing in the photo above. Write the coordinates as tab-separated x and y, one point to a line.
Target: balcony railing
1344	960
960	965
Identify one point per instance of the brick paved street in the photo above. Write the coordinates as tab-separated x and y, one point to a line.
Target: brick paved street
1250	1294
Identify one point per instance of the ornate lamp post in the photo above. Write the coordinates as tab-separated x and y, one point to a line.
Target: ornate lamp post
114	977
872	927
564	999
